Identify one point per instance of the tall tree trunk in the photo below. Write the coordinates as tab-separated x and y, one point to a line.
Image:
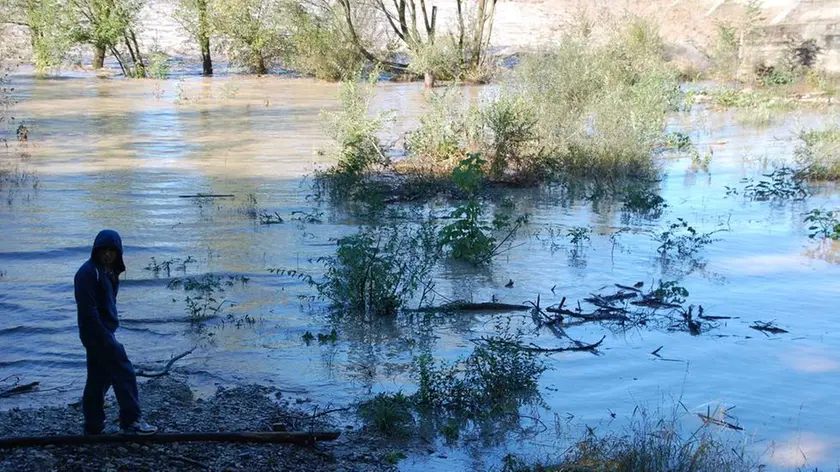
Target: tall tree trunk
461	33
206	60
490	17
479	33
260	66
429	79
98	56
136	57
204	38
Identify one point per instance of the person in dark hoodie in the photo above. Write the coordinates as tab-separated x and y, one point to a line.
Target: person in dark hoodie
96	284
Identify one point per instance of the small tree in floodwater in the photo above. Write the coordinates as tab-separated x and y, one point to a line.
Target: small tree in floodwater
431	53
195	18
470	237
251	31
109	26
378	270
49	23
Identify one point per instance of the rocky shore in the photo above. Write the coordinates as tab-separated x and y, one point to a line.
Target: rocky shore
169	403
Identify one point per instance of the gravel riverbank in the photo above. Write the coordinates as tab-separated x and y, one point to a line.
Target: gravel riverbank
169	403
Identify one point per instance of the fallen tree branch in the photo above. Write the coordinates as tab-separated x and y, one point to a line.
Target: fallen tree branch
235	437
465	306
596	316
165	371
19	389
767	327
208	195
707	420
578	346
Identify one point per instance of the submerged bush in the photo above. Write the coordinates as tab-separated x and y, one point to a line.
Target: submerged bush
496	379
824	224
510	123
649	444
643	200
446	132
681	240
469	237
389	413
819	154
378	270
356	146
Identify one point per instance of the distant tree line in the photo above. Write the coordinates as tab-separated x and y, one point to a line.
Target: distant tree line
328	39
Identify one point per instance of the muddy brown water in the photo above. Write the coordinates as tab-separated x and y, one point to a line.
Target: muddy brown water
118	154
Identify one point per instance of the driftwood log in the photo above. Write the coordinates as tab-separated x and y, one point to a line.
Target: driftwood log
165	371
237	437
18	389
465	306
207	195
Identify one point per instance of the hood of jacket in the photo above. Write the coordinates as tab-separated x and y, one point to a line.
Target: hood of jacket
109	238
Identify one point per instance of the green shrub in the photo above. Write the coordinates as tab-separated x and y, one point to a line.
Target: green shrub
510	125
378	270
158	67
679	141
442	58
682	240
356	146
497	377
320	45
732	38
818	154
390	414
601	108
446	131
470	236
643	200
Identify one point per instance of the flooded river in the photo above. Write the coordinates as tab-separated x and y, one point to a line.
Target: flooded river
120	154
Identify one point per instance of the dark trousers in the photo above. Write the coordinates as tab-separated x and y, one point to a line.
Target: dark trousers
109	368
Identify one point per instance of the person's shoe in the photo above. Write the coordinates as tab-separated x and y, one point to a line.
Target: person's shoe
139	427
111	429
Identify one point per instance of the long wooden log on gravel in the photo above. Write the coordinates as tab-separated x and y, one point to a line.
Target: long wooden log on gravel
236	437
458	306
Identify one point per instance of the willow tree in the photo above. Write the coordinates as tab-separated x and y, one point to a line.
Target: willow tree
476	50
252	31
431	52
195	17
49	24
108	25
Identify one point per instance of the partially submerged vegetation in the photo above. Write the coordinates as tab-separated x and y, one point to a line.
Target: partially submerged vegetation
650	443
824	224
486	387
582	110
818	154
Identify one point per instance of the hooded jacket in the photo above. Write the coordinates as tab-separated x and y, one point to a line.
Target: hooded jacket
96	294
